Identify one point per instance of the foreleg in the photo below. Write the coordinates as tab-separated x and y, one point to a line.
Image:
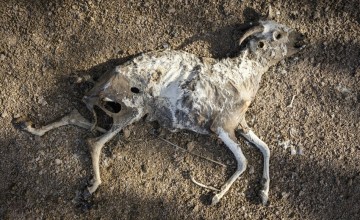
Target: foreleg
73	118
96	144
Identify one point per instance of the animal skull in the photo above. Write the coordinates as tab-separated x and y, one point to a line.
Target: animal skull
182	91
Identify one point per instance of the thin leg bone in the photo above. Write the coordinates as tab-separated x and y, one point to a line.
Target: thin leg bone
73	118
250	136
96	144
229	140
203	185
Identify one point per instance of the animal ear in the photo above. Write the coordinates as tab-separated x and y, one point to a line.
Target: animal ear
270	14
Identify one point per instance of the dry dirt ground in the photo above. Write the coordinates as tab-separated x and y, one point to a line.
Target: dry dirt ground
44	44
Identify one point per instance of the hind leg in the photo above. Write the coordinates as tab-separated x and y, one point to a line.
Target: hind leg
96	144
229	139
73	118
262	146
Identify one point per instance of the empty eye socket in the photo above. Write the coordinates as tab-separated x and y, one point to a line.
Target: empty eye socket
135	90
277	35
113	107
261	44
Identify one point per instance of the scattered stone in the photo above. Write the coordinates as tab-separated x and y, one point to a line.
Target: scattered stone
293	132
285	144
293	150
42	101
2	57
172	10
317	15
251	170
302	192
166	45
58	161
285	195
126	132
107	162
300	151
312	60
4	114
190	146
343	89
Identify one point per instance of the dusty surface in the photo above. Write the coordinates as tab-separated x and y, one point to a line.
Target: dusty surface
42	45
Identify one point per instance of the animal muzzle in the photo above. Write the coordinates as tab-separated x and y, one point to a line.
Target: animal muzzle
296	42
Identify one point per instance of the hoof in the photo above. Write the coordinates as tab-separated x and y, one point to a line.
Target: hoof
264	197
93	187
22	123
215	199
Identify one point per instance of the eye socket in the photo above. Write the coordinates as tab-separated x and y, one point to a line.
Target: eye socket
261	44
277	35
112	106
135	90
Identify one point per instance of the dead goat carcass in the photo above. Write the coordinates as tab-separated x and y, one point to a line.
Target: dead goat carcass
182	91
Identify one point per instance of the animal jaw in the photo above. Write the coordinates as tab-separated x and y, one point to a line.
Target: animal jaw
183	91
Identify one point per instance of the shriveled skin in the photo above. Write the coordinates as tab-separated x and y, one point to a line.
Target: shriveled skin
180	90
183	91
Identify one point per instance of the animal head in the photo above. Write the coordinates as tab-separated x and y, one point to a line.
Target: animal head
268	42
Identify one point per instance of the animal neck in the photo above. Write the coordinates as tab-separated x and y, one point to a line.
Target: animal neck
251	65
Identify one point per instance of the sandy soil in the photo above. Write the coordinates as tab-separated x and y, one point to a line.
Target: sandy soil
43	44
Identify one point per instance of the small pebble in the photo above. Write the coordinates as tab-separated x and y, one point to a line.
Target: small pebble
2	57
284	195
190	146
4	114
126	132
285	144
166	45
58	161
251	170
300	151
172	10
293	150
317	15
42	101
301	193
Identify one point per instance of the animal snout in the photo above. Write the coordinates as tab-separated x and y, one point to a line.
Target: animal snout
297	39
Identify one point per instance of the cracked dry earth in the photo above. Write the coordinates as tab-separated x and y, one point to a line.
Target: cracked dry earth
45	44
